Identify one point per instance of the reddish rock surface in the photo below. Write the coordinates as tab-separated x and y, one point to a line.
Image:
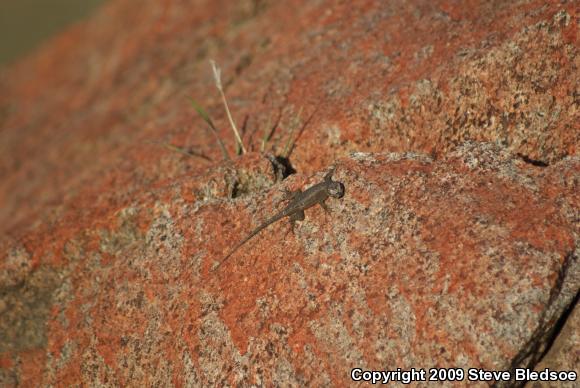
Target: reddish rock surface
444	252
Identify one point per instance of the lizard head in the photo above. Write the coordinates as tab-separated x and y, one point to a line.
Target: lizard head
335	189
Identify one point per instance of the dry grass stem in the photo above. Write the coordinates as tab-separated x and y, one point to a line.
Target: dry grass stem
218	84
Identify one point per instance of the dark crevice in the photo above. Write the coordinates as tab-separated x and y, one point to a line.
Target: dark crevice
544	336
283	167
241	183
236	190
533	162
560	325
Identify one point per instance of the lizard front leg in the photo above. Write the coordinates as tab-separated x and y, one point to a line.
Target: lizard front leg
325	207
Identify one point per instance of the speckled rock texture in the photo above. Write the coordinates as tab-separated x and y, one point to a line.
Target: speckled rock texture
453	125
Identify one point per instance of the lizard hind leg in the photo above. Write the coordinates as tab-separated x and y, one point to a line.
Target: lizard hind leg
298	216
289	195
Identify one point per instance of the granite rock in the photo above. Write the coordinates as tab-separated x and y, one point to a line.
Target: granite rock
454	129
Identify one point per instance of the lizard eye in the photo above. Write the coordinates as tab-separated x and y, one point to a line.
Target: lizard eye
336	190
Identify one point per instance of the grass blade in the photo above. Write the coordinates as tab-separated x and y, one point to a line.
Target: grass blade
218	83
203	114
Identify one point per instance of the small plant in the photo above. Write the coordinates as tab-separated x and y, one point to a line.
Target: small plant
188	152
218	83
203	114
294	123
240	149
268	132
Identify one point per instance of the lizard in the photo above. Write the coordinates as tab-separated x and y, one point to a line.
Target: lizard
298	202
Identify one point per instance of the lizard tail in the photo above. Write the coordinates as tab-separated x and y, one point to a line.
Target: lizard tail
223	260
254	232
